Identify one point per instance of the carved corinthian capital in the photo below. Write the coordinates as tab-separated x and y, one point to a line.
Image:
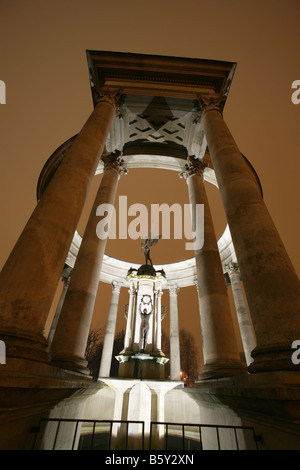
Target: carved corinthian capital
115	162
232	268
116	286
204	104
193	167
173	290
113	97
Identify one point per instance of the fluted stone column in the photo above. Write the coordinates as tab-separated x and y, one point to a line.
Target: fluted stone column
110	331
66	276
29	278
220	351
70	339
244	321
174	335
270	281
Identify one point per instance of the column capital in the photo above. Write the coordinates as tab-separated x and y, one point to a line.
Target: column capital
115	162
173	290
208	103
66	275
113	97
193	167
132	290
116	286
232	268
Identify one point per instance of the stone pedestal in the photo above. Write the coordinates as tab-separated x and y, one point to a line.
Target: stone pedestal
142	356
142	366
139	400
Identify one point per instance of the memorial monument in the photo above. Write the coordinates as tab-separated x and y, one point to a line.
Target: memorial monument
164	113
142	356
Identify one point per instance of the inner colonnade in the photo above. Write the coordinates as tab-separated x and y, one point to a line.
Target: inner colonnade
166	113
179	275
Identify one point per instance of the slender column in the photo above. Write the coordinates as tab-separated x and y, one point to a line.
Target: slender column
29	278
220	350
174	335
158	294
129	334
199	303
110	331
66	276
70	339
270	281
244	321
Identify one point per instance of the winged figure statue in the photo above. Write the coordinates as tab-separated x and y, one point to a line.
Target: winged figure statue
146	244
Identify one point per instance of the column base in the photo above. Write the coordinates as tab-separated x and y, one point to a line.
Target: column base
74	364
273	358
24	346
221	370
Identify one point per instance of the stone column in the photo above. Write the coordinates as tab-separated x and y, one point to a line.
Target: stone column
129	334
270	281
70	339
174	335
220	351
157	342
29	278
66	276
244	321
110	331
199	304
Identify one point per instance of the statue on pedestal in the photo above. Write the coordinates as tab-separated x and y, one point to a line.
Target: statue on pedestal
146	244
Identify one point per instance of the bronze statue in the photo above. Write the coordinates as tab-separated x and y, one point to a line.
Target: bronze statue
148	242
145	309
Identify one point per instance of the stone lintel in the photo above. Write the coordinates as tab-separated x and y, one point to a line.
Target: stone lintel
142	74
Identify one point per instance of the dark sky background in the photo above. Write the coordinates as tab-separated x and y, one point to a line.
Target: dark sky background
43	63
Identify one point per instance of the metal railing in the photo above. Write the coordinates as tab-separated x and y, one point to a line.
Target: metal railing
86	429
86	434
186	436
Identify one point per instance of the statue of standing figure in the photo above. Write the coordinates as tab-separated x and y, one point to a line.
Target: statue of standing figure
146	244
145	309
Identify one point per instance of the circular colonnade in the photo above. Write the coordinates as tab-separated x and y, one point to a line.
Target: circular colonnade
181	273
